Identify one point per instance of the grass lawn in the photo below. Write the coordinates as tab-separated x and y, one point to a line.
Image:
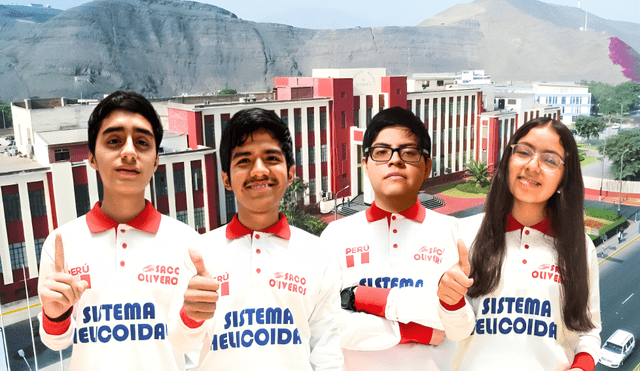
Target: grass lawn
587	146
588	160
453	192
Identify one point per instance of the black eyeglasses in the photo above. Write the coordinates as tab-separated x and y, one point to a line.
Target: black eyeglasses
384	153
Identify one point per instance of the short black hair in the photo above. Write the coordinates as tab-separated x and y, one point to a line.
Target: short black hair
397	116
248	121
128	101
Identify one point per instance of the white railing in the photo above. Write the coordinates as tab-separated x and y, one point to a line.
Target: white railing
611	185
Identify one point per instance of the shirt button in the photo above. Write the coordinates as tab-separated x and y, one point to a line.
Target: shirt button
257	236
395	245
524	261
257	251
526	246
393	217
258	270
124	245
395	231
122	263
526	232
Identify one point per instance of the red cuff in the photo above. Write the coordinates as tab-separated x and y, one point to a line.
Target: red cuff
584	361
372	300
415	333
52	327
190	323
456	306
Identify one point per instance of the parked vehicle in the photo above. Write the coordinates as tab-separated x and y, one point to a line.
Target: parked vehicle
617	348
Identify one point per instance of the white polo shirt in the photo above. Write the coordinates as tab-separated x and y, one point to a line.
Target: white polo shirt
133	270
407	253
278	299
520	323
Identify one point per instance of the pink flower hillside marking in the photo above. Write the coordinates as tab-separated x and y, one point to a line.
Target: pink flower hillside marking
627	58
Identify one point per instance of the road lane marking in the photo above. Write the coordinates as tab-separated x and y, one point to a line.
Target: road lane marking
627	299
617	251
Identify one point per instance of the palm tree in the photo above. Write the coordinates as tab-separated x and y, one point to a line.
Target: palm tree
479	173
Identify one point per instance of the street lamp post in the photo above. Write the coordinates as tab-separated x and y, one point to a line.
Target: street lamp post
620	193
621	104
604	154
335	203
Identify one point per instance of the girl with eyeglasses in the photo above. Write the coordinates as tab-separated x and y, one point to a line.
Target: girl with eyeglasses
526	294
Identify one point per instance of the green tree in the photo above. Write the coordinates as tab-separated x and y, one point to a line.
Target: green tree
479	173
290	207
589	126
627	142
227	91
6	120
610	100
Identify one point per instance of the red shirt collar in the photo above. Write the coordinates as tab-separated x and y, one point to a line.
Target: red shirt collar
235	229
543	226
147	221
417	213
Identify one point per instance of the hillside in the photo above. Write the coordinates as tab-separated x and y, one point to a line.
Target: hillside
170	47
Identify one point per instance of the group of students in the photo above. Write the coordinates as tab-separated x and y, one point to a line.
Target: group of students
391	288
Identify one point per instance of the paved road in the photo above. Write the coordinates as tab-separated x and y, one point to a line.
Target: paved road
619	291
19	337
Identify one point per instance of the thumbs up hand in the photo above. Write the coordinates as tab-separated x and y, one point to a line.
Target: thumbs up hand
455	282
60	290
201	295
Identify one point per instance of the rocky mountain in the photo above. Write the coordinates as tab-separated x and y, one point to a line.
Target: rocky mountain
170	47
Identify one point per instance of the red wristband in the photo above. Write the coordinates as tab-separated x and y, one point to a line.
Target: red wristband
415	333
451	308
190	323
58	326
372	300
584	361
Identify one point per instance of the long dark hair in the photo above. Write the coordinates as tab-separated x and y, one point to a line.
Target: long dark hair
565	213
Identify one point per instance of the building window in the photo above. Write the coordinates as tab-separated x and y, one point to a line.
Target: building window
37	203
298	157
178	180
312	186
473	104
564	100
343	94
12	207
224	120
323	153
554	100
230	203
325	183
418	108
426	110
440	83
310	120
369	112
209	131
356	117
196	178
450	106
284	115
485	132
312	155
323	118
61	154
511	102
17	253
182	216
297	120
343	119
83	204
39	243
161	183
198	217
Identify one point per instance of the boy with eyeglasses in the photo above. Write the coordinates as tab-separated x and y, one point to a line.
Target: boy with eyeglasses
393	255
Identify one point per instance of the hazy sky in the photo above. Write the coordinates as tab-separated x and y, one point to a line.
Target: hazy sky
370	13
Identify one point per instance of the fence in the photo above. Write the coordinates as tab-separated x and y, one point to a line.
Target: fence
612	185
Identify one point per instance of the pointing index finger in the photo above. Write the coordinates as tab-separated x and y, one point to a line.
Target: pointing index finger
59	254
